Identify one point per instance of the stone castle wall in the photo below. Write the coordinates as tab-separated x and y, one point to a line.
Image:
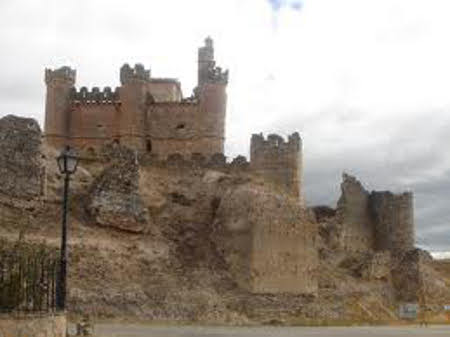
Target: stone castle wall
375	221
394	218
353	213
267	242
278	160
146	114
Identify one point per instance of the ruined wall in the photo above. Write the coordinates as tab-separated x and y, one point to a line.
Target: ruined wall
376	220
267	242
33	325
353	212
394	220
22	171
278	160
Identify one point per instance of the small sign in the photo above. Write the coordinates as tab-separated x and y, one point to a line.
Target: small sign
447	307
408	311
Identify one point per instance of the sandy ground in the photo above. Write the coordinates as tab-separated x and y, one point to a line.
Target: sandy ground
136	330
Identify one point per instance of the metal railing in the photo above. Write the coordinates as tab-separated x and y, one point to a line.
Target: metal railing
28	276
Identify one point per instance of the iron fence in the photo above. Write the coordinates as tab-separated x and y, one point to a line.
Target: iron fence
28	276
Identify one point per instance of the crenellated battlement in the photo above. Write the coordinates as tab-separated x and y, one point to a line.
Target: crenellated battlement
64	74
217	75
111	152
275	144
138	73
94	96
278	159
208	72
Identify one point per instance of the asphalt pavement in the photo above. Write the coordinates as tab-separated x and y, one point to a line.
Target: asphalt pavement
142	330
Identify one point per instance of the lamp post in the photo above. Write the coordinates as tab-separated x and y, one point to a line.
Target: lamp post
67	164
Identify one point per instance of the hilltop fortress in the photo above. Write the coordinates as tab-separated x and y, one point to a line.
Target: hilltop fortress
153	169
150	116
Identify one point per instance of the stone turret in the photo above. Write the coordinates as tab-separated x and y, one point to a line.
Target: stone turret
138	73
394	220
133	96
279	160
60	83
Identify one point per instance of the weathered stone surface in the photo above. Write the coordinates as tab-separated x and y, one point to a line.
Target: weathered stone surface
354	214
22	172
393	215
377	266
33	325
267	242
408	274
114	198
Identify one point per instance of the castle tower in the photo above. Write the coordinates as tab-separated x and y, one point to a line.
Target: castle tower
394	220
279	161
211	92
60	83
205	61
133	96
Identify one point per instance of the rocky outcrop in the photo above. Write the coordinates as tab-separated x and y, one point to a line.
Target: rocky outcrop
114	198
22	172
267	241
408	274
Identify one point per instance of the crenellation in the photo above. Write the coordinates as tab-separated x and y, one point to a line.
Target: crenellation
95	95
64	73
279	160
144	113
138	73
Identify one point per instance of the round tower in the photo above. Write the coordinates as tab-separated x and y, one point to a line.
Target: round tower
211	92
60	83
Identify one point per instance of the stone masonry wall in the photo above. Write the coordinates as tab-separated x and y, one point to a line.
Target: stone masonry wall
33	326
394	220
353	213
375	221
146	114
267	242
278	161
22	171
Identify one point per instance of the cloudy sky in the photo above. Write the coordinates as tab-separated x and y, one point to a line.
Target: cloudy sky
366	82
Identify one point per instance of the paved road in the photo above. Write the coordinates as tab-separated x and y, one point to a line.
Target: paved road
121	330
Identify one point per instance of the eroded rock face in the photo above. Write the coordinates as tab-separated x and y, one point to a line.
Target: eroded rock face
114	198
267	241
22	172
408	274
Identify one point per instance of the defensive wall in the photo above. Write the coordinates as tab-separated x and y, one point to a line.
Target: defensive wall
278	160
375	221
144	113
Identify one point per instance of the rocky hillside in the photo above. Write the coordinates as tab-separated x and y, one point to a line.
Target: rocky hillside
171	242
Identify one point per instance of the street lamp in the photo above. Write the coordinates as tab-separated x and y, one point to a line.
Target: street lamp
67	164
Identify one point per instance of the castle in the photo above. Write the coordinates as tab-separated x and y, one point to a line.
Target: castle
144	113
150	115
